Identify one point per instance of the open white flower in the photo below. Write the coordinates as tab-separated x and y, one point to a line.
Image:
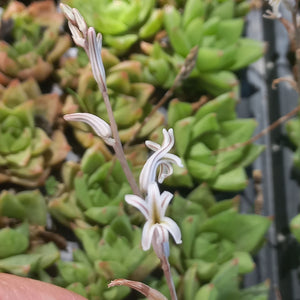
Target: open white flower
157	228
101	128
160	158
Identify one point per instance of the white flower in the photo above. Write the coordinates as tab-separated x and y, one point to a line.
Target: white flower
160	158
101	128
157	227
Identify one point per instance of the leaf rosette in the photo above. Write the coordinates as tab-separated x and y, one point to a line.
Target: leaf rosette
32	42
27	152
122	23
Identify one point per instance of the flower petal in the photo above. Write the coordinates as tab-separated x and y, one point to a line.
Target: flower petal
173	228
152	145
168	141
172	158
94	53
162	235
165	170
67	11
138	203
147	235
76	35
100	127
165	199
80	21
153	201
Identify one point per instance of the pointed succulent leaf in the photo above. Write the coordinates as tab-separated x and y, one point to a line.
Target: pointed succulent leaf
12	242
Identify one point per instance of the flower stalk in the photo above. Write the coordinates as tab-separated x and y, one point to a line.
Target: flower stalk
154	205
87	39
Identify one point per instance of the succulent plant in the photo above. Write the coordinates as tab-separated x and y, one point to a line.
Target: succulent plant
114	253
224	285
25	248
200	136
19	256
90	202
159	68
216	28
293	130
89	189
27	152
212	258
29	206
213	27
122	23
31	41
129	97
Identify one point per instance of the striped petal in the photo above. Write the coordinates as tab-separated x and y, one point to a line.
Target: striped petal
147	235
165	199
173	228
101	128
94	52
138	203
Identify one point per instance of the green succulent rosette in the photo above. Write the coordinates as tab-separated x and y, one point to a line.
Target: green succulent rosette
129	97
18	256
27	248
122	23
159	68
28	152
29	206
91	191
34	42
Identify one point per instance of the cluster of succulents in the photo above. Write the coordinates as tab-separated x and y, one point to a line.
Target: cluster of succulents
206	139
216	28
26	249
88	190
28	151
31	42
91	202
122	23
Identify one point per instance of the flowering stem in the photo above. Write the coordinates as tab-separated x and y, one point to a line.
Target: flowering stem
167	272
118	146
162	253
165	265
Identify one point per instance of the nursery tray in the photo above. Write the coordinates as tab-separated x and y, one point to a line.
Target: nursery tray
278	260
